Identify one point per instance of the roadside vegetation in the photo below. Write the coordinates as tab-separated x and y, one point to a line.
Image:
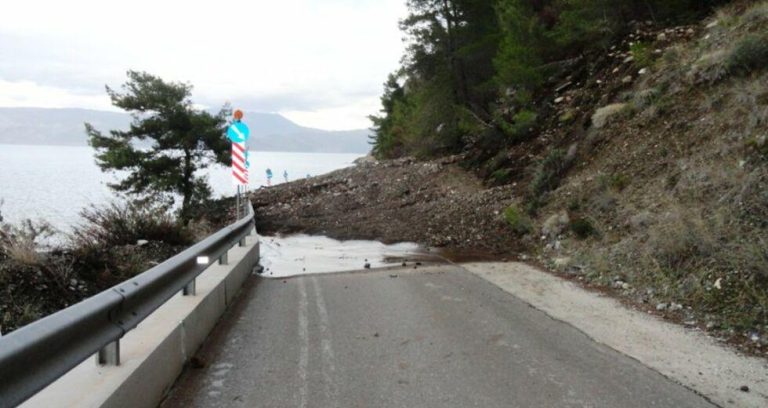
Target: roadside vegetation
111	244
630	136
117	241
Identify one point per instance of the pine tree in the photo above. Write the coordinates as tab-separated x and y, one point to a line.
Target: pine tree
167	143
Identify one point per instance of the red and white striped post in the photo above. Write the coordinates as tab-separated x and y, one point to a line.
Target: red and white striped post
239	167
238	133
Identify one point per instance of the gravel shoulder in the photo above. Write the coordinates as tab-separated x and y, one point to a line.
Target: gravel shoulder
690	357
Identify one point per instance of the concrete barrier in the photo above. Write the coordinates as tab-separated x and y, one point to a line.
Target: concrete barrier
153	355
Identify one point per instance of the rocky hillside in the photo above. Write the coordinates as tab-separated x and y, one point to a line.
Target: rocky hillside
647	178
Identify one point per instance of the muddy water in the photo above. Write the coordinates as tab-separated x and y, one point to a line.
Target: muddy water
291	255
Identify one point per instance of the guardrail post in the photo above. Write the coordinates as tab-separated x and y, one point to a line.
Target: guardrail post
224	259
242	242
189	290
109	355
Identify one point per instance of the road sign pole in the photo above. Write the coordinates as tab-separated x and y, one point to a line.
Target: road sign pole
238	133
237	204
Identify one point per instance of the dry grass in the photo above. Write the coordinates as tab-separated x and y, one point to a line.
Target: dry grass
21	243
689	223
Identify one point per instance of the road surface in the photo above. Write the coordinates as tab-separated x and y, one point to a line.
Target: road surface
431	337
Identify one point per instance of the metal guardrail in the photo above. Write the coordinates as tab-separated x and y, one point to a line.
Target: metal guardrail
38	354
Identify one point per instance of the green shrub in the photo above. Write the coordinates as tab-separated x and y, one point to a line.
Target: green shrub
568	116
583	228
642	54
616	181
548	174
501	176
574	204
750	54
522	123
519	222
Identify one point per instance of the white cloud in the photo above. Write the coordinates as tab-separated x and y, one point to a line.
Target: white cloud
28	93
307	57
339	118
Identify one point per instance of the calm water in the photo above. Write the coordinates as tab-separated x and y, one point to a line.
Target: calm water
54	183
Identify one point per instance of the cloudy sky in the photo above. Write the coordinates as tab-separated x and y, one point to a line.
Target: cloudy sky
320	63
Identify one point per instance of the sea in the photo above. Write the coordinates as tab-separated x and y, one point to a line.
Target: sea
54	183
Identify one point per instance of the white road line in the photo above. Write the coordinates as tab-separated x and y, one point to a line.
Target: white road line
329	368
303	344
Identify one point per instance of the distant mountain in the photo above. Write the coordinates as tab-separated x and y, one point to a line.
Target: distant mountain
269	131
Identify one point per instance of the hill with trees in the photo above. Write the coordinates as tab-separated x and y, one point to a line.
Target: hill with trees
620	143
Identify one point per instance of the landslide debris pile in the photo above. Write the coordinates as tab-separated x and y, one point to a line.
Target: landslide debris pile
435	203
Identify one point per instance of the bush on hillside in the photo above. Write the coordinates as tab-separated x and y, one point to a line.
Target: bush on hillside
520	223
749	54
548	174
125	224
583	228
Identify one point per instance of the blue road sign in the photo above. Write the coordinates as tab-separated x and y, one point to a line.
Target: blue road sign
238	132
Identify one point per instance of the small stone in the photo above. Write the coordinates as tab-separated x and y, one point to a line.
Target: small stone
744	388
393	276
625	286
627	79
642	71
367	265
142	242
559	99
661	306
629	59
661	37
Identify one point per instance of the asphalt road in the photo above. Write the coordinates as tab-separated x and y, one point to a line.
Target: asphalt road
432	337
